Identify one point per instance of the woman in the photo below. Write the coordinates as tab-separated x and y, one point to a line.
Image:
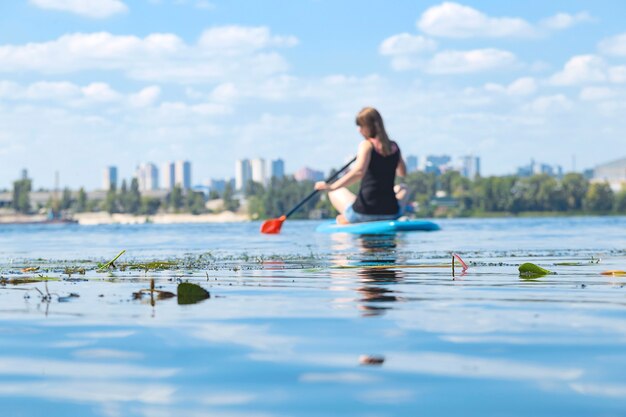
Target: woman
377	163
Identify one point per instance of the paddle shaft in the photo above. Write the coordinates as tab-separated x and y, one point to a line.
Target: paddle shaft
310	196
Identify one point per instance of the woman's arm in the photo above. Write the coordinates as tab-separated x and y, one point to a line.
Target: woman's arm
401	168
356	172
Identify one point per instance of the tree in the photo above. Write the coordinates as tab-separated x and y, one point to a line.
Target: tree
149	205
21	195
175	199
230	203
66	199
195	202
575	187
619	205
133	198
111	201
599	198
81	201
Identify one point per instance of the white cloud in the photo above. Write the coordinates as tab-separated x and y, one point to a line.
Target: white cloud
617	74
565	20
221	53
550	104
405	43
588	69
406	50
145	97
478	60
89	8
521	87
581	69
101	92
615	45
454	20
232	40
596	93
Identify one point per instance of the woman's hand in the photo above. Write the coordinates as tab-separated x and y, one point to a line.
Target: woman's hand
322	186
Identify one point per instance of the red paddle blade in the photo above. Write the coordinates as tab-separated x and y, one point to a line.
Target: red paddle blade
272	226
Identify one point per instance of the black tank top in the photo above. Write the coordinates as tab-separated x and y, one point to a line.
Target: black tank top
376	195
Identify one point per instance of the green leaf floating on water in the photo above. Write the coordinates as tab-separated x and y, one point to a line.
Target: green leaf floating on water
189	293
529	270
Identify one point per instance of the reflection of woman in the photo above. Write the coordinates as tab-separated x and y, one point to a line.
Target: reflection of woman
378	162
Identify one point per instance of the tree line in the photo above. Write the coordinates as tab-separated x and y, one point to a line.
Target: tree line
464	197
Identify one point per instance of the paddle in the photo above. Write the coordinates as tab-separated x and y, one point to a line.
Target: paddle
272	226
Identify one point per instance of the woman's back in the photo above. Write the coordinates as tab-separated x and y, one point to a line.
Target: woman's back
376	195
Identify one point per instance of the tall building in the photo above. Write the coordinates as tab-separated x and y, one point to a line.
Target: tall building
437	163
278	168
243	173
148	177
308	174
470	166
109	178
257	167
411	163
168	176
182	174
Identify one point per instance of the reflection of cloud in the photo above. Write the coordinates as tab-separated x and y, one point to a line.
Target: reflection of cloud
227	398
255	337
338	377
389	396
58	368
600	390
90	391
446	364
106	354
116	334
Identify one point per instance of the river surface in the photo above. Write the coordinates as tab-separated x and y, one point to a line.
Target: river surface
308	324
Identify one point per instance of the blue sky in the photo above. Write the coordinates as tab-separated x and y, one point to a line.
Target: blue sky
90	83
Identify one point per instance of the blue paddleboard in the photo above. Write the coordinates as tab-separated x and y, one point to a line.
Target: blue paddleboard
378	227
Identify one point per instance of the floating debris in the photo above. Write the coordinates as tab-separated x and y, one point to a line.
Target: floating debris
614	272
370	360
111	263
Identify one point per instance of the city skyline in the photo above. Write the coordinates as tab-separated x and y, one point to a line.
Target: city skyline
160	80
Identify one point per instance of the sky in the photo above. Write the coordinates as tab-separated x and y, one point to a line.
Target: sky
85	84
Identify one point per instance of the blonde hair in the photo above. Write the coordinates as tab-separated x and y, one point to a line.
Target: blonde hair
373	127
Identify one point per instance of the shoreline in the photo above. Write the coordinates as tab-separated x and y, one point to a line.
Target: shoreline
94	219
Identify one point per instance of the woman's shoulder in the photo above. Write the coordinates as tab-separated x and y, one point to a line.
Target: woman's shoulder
366	145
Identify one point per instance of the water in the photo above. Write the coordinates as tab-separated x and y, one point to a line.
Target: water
291	316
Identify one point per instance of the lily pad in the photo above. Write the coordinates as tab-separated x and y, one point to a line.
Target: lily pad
530	270
614	272
189	293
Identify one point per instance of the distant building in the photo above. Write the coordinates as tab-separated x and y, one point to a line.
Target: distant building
613	172
535	168
243	173
182	174
308	174
109	178
168	176
470	166
24	174
148	177
437	163
411	163
278	169
217	185
258	171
